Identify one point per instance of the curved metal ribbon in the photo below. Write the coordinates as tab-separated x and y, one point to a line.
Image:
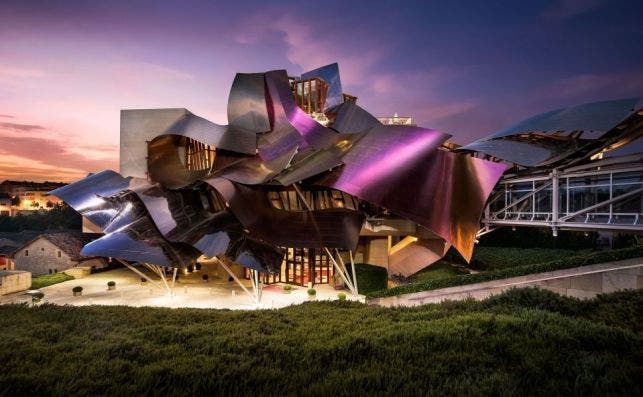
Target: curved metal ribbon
180	213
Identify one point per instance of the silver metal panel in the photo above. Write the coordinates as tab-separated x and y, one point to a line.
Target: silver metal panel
349	118
595	117
247	103
138	127
330	74
213	134
89	196
565	135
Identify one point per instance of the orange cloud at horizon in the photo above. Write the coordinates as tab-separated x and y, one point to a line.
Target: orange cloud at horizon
28	153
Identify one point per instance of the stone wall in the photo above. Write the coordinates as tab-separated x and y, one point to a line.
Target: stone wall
580	282
41	256
14	281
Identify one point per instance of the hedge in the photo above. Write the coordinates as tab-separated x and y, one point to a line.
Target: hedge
49	279
370	278
564	263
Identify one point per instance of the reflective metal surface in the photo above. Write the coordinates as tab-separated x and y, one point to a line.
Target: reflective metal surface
330	74
567	134
195	187
334	228
349	118
247	109
415	255
400	168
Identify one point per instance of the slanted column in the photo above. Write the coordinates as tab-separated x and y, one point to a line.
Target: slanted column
554	202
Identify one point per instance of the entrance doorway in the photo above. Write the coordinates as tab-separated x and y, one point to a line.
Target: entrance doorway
304	265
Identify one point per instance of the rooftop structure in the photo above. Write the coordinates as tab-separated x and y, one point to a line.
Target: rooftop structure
396	120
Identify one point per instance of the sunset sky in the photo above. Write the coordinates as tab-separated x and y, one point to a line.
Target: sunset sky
464	68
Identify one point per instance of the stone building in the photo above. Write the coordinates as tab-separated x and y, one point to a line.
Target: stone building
55	252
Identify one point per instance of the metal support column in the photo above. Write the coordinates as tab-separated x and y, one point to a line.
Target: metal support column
554	202
255	298
135	270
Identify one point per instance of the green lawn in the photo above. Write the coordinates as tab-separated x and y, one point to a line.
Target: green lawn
524	342
49	279
437	271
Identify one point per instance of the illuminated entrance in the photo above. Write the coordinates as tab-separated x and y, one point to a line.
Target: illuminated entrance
304	265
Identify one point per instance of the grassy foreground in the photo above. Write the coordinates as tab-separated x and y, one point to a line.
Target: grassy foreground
524	342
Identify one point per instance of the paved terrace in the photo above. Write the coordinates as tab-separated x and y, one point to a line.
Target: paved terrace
190	291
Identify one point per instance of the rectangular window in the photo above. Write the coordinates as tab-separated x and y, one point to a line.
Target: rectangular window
26	252
59	254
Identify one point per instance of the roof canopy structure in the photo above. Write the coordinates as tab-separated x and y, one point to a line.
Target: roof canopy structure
284	134
565	136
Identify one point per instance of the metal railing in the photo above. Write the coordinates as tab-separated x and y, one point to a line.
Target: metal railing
601	195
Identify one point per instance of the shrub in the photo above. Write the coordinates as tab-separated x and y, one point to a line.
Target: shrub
111	283
287	287
370	278
36	296
77	289
205	277
564	263
341	296
312	292
143	280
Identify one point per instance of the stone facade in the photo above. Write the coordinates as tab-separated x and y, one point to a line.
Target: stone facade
41	256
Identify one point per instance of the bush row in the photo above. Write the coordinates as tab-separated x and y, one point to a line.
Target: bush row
564	263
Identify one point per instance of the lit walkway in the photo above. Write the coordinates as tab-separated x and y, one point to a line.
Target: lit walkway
190	291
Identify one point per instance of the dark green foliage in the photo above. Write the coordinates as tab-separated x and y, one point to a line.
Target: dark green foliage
111	283
60	217
520	343
587	258
530	237
369	277
494	258
49	279
312	291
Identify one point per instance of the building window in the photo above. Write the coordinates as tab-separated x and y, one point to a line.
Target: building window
26	252
42	249
59	254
